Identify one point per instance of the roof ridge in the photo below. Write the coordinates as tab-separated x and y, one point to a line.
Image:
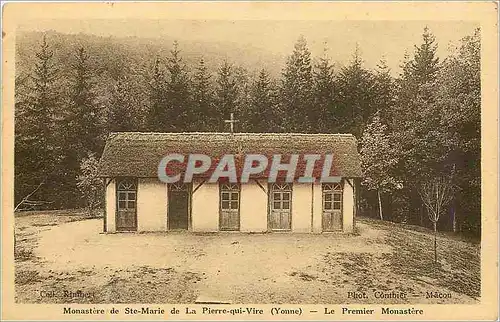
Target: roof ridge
139	153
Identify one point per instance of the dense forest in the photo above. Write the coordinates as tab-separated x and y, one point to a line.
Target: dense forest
72	90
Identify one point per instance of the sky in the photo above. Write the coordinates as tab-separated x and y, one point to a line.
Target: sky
376	39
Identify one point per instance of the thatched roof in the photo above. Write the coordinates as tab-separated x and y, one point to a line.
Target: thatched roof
137	154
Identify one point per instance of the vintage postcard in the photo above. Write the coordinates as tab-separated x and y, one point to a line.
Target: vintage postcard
250	161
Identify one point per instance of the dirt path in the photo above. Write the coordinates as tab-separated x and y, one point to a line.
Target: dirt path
233	267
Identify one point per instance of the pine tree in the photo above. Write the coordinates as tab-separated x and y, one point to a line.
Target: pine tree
261	110
203	99
384	89
81	127
296	90
157	112
425	65
356	95
419	75
243	99
417	115
324	110
406	88
179	113
405	66
416	121
35	148
120	115
226	93
459	99
83	120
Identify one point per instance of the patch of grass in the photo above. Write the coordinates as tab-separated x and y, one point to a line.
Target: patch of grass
149	285
45	224
355	232
145	270
307	277
304	276
134	285
388	225
358	265
362	271
23	254
458	266
24	277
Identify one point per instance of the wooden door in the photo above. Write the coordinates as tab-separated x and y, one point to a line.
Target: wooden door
332	207
229	206
126	205
280	214
178	206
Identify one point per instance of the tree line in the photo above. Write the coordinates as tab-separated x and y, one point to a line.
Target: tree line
422	124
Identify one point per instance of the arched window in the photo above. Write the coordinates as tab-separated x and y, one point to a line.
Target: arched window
127	194
229	206
280	199
281	196
332	206
229	196
178	186
126	205
332	196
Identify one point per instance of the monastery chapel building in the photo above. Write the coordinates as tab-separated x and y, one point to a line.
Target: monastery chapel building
137	200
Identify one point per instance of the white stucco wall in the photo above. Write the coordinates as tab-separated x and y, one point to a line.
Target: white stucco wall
151	205
301	207
318	208
253	207
110	205
348	206
205	207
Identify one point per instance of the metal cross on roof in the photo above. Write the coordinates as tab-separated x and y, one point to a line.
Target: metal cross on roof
231	121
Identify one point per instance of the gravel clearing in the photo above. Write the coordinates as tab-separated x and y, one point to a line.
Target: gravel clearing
55	253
